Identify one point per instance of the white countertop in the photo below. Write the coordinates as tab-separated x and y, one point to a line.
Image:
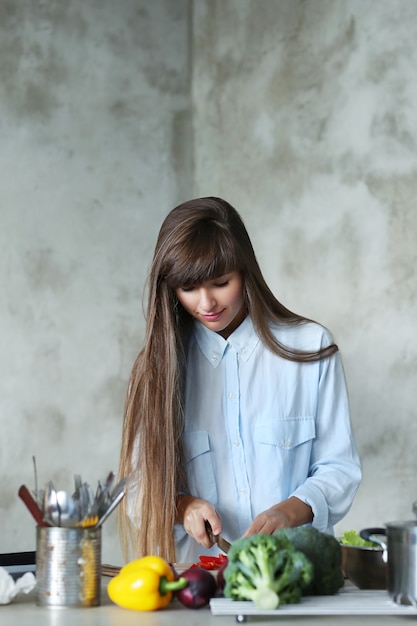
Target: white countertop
24	612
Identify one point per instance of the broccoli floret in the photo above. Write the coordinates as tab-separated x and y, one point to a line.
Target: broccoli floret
267	570
324	552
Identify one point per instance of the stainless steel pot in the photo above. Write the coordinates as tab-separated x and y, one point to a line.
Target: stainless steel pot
364	566
400	551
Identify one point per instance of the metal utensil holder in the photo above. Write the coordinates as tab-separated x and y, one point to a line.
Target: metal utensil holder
68	566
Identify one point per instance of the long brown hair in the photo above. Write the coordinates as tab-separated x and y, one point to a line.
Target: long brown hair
199	240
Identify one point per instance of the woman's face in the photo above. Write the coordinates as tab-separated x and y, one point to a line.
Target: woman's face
218	304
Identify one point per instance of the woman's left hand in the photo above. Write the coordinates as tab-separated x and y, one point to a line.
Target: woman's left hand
291	512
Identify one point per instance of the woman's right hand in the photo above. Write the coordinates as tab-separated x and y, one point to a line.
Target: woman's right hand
193	513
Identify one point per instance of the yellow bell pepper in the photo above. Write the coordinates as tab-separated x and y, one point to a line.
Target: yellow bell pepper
145	584
156	563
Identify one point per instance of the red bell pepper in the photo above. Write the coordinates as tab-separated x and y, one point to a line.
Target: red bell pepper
210	562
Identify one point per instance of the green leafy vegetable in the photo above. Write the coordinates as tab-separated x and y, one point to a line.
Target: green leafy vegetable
324	552
353	538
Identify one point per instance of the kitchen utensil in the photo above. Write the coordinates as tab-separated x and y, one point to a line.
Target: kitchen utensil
35	473
364	566
60	507
400	549
110	497
69	512
32	505
351	605
110	570
113	504
119	488
51	510
218	539
88	522
103	497
84	502
78	483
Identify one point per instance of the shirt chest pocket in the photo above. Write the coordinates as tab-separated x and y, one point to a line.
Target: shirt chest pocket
199	465
286	434
196	442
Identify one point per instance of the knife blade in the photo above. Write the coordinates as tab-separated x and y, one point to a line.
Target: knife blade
222	543
218	539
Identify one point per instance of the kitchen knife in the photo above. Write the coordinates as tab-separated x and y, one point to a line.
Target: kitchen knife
218	539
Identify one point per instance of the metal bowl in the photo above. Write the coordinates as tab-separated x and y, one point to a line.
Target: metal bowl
364	566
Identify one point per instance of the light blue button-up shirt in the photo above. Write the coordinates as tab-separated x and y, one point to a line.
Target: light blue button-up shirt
260	428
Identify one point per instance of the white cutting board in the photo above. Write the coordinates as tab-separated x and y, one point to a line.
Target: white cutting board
348	601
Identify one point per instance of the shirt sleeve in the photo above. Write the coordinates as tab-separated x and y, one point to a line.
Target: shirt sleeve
335	470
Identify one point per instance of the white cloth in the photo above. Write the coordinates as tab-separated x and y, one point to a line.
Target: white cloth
10	588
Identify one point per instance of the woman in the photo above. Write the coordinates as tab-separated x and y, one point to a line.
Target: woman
237	411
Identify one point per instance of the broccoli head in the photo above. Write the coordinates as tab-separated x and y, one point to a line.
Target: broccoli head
267	570
324	552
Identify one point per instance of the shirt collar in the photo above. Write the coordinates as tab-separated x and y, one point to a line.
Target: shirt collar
243	341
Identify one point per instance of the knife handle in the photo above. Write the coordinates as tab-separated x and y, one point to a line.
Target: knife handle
217	539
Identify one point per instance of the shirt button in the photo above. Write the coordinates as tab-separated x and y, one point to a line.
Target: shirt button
236	443
287	443
213	357
232	395
242	491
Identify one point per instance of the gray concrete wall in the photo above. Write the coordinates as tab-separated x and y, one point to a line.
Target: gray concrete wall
94	122
302	116
305	119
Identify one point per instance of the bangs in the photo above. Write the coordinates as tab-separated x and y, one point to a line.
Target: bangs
201	258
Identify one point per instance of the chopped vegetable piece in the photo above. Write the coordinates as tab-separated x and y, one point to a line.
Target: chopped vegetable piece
210	562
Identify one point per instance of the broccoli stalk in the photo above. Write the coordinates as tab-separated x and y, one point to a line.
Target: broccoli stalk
258	590
256	581
267	570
